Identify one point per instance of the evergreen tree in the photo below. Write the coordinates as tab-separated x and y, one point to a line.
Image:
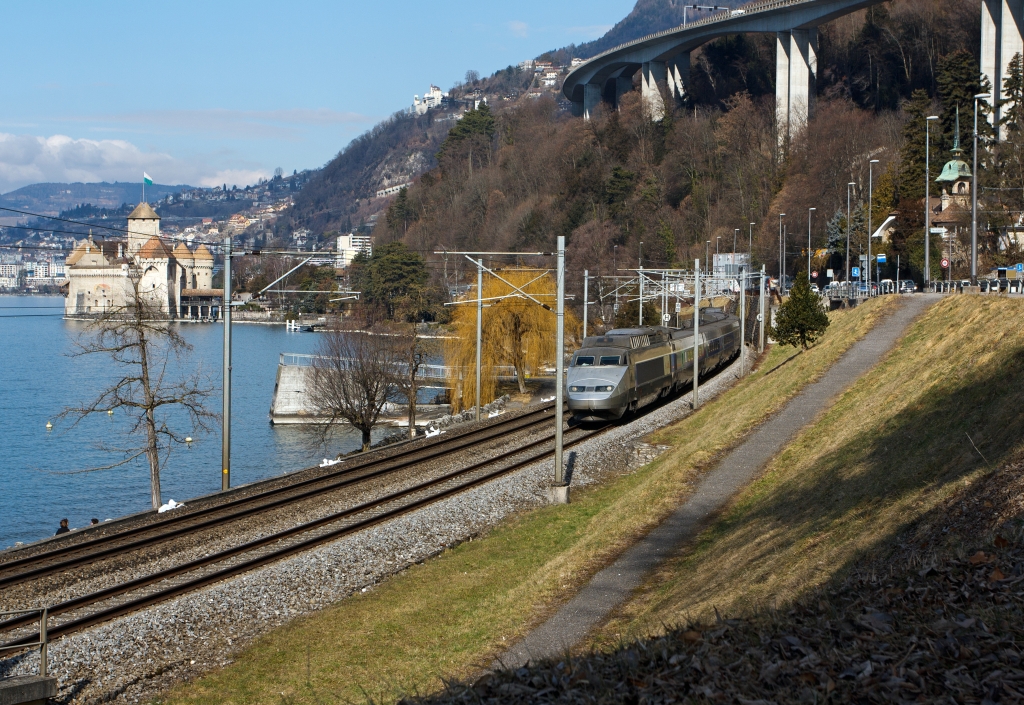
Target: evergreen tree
912	156
478	123
800	320
1013	90
836	231
959	80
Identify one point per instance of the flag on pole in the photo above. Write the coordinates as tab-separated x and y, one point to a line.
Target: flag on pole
147	179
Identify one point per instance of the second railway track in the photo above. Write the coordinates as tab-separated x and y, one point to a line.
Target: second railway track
66	557
88	610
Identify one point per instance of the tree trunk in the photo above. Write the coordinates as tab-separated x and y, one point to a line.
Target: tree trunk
366	438
412	405
152	448
521	376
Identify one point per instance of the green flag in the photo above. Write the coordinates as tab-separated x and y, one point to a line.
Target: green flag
147	179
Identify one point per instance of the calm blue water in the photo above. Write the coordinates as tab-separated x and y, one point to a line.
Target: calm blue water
38	379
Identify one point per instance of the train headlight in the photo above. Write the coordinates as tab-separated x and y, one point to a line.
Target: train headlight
604	388
577	388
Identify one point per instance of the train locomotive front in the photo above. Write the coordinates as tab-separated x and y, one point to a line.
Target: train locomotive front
626	369
599	382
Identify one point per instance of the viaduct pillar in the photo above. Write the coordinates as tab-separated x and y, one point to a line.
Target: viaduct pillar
591	99
653	74
1001	39
796	71
679	76
623	85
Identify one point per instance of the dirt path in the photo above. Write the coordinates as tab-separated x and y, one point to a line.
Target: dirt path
614	584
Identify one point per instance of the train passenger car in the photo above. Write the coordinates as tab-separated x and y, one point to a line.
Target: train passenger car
629	368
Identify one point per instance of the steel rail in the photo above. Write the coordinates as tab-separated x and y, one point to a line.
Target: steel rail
461	442
100	616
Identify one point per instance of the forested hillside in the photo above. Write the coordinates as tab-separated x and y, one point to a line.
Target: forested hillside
685	185
403	146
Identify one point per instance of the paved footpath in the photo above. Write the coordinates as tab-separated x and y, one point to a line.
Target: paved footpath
614	584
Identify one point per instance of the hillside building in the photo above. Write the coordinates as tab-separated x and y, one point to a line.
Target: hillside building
178	283
432	99
351	245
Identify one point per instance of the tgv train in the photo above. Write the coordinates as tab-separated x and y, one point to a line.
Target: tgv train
628	368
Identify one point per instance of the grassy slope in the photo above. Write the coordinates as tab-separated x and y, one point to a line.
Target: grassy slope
451	615
894	448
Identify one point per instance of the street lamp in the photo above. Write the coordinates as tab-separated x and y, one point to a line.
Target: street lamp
871	194
641	258
707	252
974	195
849	186
750	244
782	252
809	212
927	201
735	236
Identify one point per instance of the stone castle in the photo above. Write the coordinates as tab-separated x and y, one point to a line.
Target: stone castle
177	283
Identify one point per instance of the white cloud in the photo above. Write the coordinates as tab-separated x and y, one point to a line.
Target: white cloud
26	159
518	28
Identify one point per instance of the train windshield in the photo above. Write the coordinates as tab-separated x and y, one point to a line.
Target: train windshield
592	358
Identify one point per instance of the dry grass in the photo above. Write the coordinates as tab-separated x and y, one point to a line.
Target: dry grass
942	407
450	616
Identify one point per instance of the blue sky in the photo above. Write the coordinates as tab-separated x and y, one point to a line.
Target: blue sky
208	92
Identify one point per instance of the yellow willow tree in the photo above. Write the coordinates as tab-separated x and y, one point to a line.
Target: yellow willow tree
517	332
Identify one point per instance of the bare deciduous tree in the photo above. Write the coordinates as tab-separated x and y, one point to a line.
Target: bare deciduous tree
412	351
351	378
142	343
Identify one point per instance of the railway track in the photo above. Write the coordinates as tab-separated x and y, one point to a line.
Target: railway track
89	610
71	556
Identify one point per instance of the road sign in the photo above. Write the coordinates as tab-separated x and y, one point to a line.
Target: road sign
855	271
863	258
939	231
814	275
1020	267
679	307
667	317
881	259
830	274
944	263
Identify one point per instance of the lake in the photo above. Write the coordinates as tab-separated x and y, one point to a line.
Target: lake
40	478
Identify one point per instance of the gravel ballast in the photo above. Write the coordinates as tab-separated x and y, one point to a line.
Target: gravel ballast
135	657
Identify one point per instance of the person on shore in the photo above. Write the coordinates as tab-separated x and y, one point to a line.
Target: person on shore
94	521
63	528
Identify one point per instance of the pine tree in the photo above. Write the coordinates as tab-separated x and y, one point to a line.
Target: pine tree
1013	90
801	319
912	156
959	80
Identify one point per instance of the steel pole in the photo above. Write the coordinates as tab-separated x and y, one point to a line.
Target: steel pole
479	328
927	205
586	280
743	318
871	209
696	334
560	363
810	212
225	449
974	203
848	225
763	312
782	253
641	321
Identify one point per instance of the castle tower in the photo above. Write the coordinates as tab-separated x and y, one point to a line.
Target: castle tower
143	223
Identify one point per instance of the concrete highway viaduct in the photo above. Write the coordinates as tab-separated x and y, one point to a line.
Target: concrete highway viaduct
664	58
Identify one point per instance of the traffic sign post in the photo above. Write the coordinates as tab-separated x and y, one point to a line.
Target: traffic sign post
855	272
881	259
944	263
814	275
